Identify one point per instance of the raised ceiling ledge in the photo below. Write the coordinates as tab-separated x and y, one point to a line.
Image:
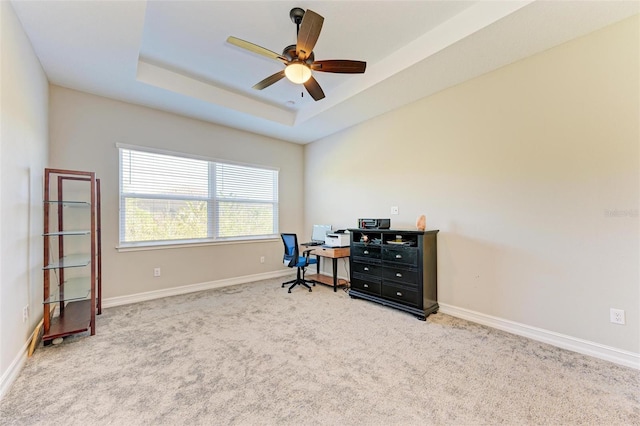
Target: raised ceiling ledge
466	23
176	82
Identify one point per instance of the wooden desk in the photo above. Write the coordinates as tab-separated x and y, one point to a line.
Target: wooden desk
333	253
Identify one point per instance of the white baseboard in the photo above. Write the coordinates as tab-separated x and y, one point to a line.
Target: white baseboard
608	353
14	369
175	291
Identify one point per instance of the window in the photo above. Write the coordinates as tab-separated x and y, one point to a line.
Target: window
168	198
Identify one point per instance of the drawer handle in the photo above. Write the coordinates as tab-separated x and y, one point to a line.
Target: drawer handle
398	256
398	294
399	275
365	268
365	285
366	252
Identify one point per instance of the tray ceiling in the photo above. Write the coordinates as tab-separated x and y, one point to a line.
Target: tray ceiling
173	55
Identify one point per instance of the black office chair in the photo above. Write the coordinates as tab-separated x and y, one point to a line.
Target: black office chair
293	259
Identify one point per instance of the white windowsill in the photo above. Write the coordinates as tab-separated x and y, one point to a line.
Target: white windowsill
174	245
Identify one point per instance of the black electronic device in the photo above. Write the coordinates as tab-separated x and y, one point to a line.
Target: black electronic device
374	223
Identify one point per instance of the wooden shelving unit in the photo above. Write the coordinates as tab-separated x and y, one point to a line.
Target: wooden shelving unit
72	253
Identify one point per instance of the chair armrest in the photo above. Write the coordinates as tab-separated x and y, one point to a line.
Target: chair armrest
305	253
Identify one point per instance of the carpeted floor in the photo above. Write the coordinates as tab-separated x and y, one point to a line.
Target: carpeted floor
253	354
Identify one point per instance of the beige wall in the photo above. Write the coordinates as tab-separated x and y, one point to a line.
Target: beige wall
84	131
530	172
23	156
520	170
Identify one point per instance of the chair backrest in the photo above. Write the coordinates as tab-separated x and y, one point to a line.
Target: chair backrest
291	253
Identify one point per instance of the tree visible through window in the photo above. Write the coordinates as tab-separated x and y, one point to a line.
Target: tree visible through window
169	198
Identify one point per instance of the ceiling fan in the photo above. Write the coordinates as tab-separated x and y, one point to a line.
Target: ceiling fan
299	58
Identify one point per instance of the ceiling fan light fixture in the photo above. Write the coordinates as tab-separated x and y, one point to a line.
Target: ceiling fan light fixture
298	73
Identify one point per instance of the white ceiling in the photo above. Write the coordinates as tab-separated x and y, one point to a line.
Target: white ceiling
173	55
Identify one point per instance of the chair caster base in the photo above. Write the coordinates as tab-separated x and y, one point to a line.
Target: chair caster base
299	281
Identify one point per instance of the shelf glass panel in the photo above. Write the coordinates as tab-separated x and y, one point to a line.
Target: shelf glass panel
63	233
69	203
78	288
71	261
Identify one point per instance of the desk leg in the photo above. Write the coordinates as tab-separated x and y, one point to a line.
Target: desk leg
318	264
335	274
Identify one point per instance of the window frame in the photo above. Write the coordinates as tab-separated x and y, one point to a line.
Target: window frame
211	199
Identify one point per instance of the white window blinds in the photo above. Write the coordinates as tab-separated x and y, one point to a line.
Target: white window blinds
169	198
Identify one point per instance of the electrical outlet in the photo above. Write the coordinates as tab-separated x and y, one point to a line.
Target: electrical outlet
25	313
394	210
616	316
261	259
156	272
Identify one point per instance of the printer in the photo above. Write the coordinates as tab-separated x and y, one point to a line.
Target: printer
338	239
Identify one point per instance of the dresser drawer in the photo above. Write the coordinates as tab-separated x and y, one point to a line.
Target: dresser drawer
400	255
368	252
407	277
366	268
365	285
403	295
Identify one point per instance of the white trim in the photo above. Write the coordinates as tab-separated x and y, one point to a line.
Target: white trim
175	291
608	353
12	373
193	243
597	350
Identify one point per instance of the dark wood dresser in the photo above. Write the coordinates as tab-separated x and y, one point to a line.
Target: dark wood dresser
397	268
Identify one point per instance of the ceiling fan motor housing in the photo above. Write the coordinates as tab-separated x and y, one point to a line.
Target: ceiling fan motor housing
289	52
